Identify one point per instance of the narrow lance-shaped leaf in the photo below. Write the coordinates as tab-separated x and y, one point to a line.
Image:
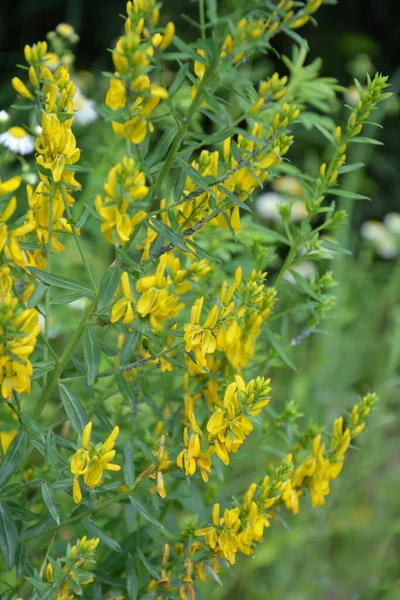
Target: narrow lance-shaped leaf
131	579
60	282
13	458
143	511
99	533
50	501
129	467
74	409
146	563
8	535
108	285
92	355
278	346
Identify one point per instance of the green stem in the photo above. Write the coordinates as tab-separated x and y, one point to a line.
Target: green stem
48	291
202	20
124	368
58	369
76	237
91	511
288	261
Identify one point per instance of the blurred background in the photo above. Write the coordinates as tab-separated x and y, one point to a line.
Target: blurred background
349	549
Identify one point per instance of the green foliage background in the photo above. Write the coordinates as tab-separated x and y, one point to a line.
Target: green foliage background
349	548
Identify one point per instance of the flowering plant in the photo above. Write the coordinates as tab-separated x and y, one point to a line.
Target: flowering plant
124	431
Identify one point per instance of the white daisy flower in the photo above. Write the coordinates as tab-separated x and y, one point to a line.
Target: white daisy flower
18	140
267	206
84	107
4	116
392	223
373	231
382	236
387	247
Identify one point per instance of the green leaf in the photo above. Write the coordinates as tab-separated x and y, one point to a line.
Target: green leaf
349	168
37	295
234	198
50	450
212	10
161	228
125	388
92	355
187	50
131	579
99	533
74	409
13	457
178	80
194	175
78	168
277	345
8	535
40	369
128	348
129	467
304	285
325	133
50	501
31	426
146	563
143	511
161	148
365	140
335	247
108	285
348	194
60	282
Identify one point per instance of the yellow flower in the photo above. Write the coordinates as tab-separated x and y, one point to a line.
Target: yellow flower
21	88
191	457
123	308
159	292
18	333
116	95
56	146
228	427
133	130
168	35
9	186
91	461
163	464
201	339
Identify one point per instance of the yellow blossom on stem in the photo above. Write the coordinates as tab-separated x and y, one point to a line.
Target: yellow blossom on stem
91	461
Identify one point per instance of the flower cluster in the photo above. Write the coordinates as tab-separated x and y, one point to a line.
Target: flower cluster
233	177
178	357
233	327
131	94
242	526
90	461
19	329
74	569
229	426
125	185
323	465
